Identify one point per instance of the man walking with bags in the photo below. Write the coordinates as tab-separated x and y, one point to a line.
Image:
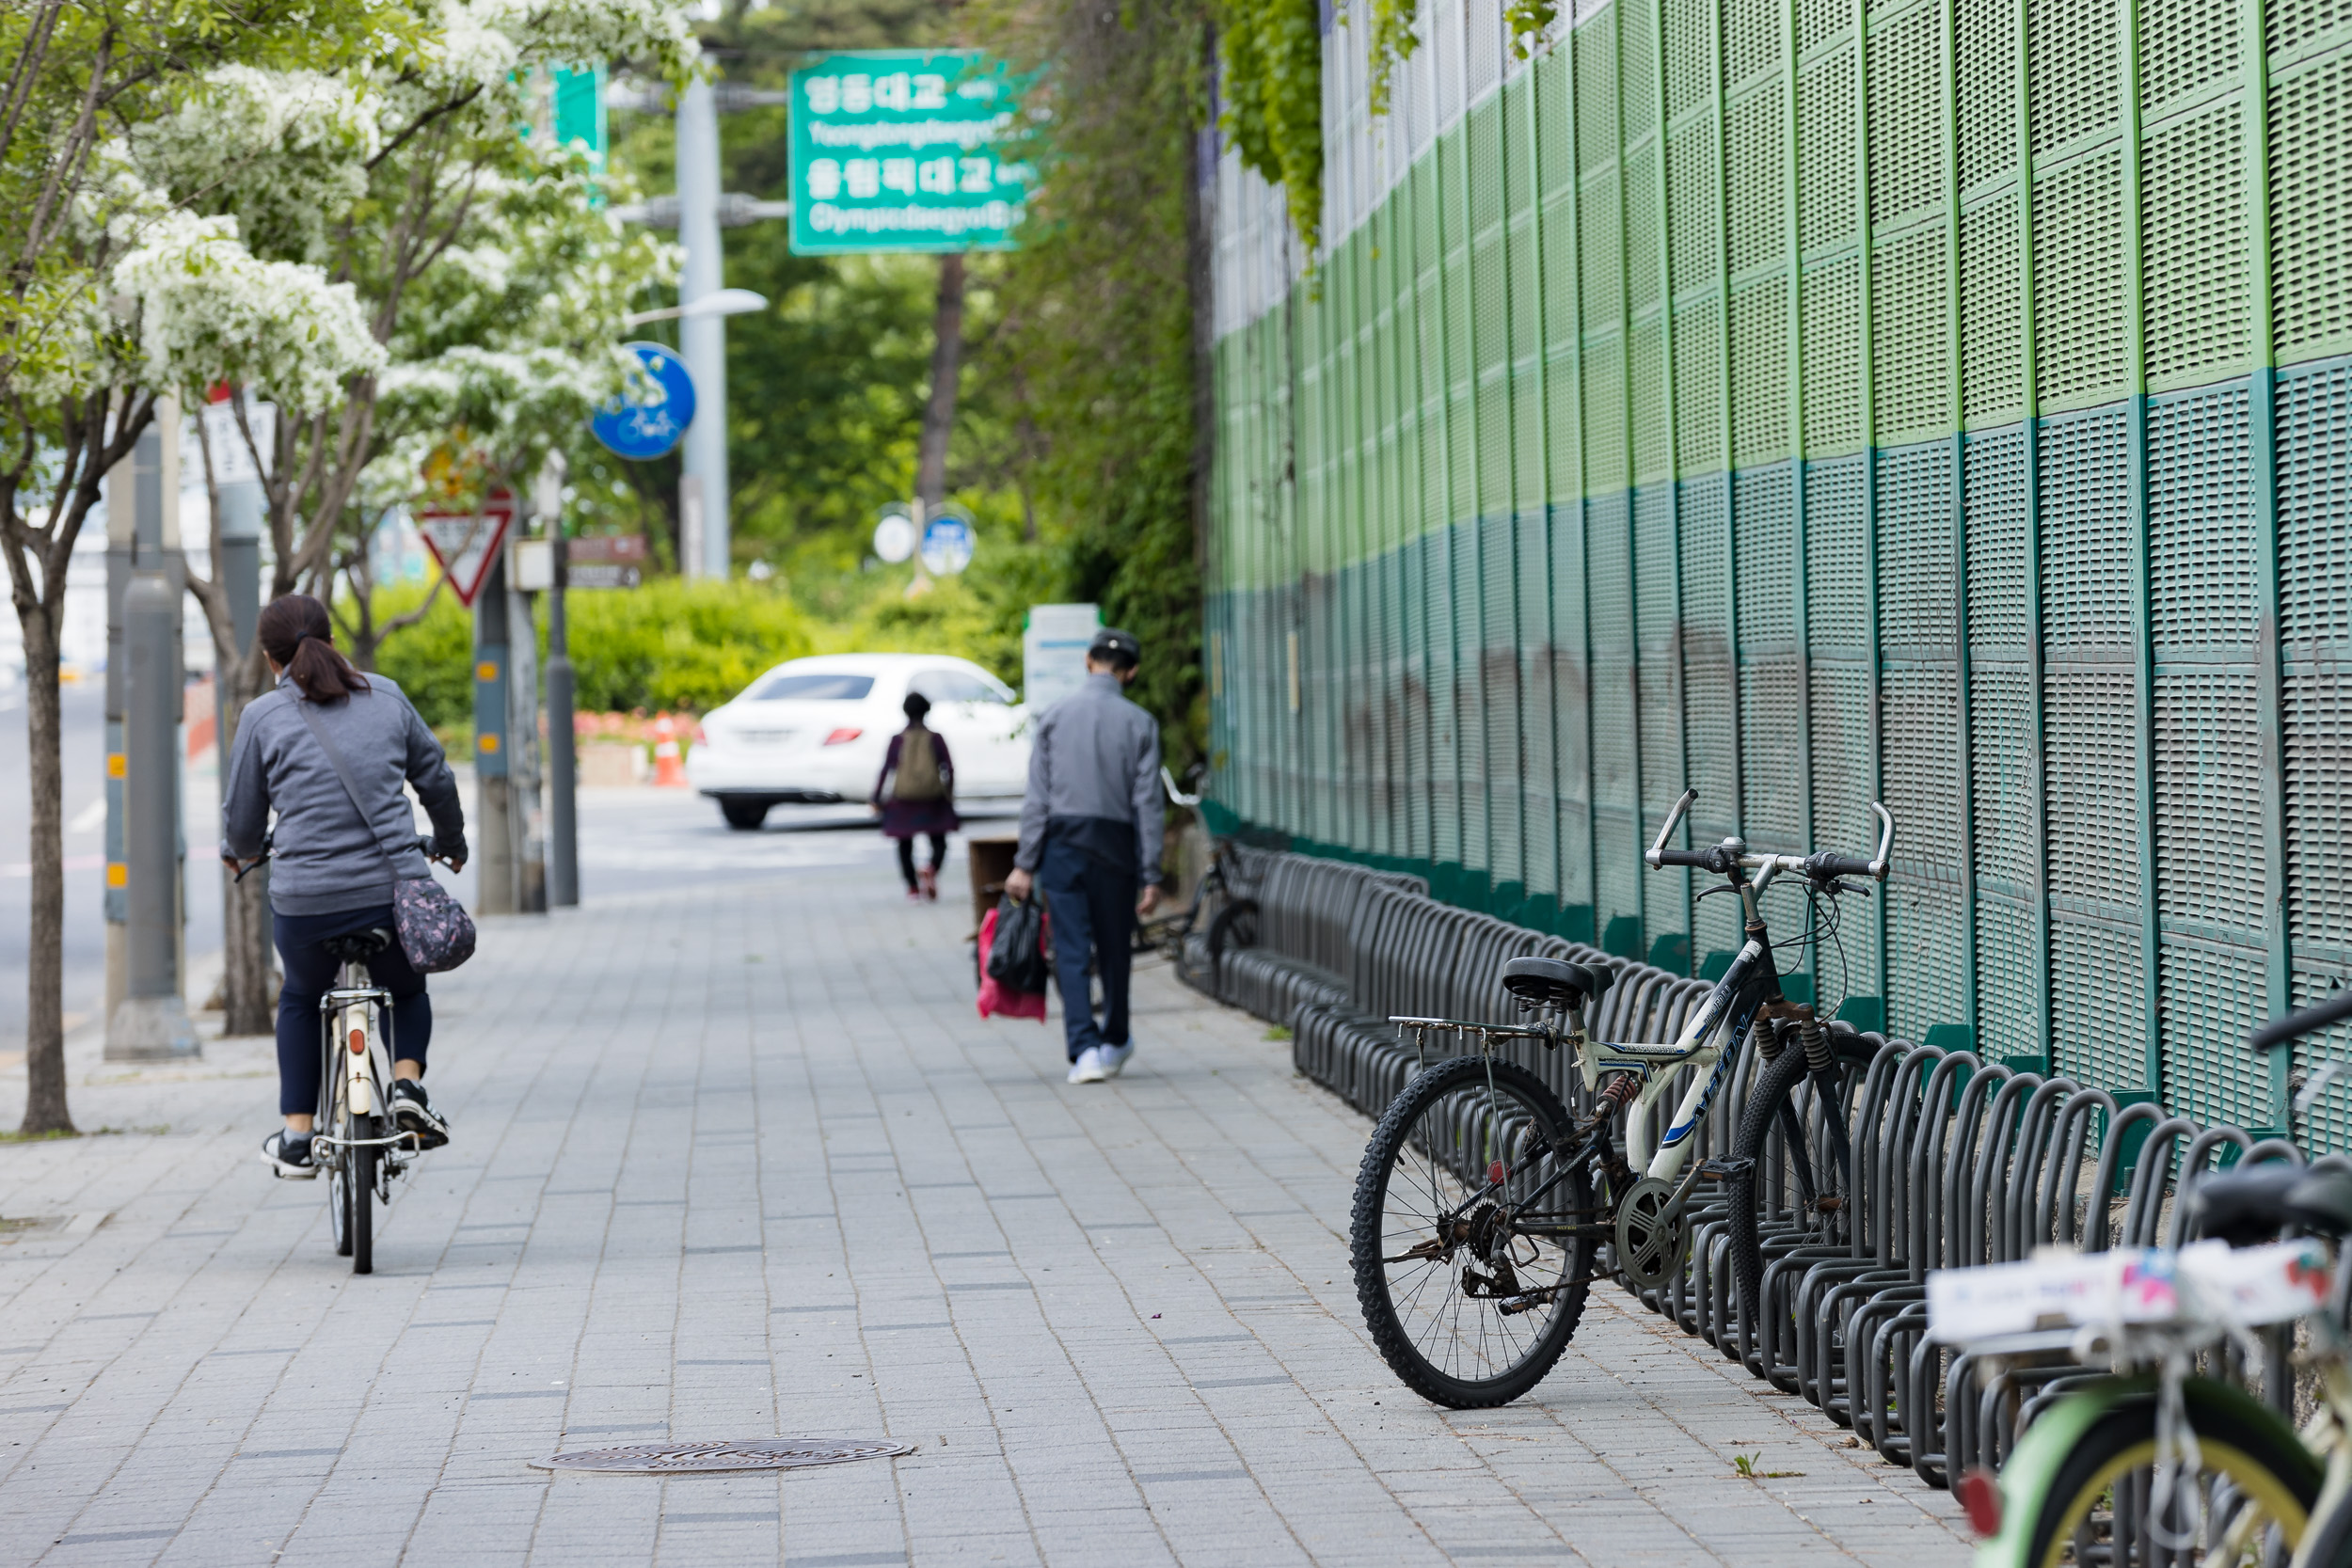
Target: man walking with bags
1091	831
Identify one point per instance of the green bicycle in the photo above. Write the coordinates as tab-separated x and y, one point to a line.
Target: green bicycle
2155	1465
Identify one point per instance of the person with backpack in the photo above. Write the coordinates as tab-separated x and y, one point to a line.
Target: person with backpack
916	794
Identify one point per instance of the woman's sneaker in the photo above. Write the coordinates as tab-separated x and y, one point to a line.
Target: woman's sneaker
414	1111
289	1155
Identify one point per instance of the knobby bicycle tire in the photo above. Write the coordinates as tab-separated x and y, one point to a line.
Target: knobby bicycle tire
1774	1087
2241	1442
1391	1145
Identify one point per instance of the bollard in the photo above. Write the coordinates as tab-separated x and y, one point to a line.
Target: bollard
151	1022
668	772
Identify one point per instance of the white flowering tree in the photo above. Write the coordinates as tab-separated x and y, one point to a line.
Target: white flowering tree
489	276
113	294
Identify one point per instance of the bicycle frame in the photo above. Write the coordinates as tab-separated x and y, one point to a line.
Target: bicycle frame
355	1074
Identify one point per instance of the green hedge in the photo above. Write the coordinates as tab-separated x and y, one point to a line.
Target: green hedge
668	644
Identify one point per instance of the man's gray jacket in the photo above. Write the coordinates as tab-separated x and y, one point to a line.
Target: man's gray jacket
1094	774
328	857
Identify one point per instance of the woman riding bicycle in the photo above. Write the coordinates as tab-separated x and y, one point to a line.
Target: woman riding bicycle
333	873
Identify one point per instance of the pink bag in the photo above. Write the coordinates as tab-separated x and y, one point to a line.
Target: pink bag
996	998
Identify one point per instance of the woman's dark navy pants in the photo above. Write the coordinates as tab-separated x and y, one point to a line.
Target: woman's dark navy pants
311	974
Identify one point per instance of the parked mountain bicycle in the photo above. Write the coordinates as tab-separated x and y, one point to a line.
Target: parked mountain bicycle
1481	1205
1222	898
2152	1463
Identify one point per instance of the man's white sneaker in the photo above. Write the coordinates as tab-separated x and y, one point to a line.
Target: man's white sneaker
1114	1057
1088	1068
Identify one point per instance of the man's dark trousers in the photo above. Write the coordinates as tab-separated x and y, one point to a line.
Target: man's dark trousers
1093	906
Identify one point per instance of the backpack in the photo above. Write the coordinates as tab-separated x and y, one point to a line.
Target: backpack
918	768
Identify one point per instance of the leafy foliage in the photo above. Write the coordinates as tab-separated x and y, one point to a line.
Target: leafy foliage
1099	326
1271	56
668	644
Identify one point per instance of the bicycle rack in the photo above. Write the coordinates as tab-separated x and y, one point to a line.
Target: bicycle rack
1958	1161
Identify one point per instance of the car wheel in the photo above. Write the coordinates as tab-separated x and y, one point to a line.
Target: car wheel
744	816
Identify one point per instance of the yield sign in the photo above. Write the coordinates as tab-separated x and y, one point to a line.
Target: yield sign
465	543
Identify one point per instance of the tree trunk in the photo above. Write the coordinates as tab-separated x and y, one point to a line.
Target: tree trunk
939	414
248	998
44	989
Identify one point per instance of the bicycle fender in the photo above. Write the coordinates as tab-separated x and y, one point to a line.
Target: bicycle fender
2036	1457
2053	1436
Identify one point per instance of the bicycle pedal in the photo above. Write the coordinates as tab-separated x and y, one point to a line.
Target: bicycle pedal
1726	1170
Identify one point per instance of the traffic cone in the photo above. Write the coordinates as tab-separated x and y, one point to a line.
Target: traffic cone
668	772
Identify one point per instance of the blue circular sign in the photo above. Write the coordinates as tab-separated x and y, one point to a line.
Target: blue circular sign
947	545
652	413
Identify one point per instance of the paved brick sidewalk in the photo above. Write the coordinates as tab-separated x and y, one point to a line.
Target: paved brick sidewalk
741	1160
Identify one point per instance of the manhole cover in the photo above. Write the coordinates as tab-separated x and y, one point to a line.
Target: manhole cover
757	1454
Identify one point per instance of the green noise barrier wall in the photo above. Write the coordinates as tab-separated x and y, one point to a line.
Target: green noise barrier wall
1945	402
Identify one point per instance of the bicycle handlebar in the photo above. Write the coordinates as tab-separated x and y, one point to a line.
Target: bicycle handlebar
2279	1031
1732	855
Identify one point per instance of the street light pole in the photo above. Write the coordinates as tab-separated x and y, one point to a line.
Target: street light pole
703	338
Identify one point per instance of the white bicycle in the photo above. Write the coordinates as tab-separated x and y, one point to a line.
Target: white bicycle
357	1142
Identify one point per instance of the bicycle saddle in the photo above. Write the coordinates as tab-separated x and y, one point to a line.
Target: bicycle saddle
2248	1207
358	946
1553	982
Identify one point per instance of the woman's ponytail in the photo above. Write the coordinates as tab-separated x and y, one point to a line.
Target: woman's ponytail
299	639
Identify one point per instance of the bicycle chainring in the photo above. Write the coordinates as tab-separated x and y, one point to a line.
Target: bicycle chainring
1653	1236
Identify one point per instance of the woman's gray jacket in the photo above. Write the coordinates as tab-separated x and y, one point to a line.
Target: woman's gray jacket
326	858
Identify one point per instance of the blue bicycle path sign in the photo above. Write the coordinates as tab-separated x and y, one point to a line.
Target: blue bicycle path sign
651	415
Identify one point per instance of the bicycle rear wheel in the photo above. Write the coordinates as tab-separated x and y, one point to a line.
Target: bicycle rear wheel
1471	1239
2248	1502
359	1161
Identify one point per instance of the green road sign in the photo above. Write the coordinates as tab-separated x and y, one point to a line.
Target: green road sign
891	151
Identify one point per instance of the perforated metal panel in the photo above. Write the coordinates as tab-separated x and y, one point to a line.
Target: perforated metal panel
1710	693
1771	742
2315	627
2082	344
1541	395
1906	115
2310	168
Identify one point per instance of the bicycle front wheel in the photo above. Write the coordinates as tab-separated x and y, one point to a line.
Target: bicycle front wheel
1794	1160
2093	1497
1472	1237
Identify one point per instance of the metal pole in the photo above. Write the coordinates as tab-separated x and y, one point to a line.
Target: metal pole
240	562
122	512
562	773
495	893
151	1022
525	814
703	339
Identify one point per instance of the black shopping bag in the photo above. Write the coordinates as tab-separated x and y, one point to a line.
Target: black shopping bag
1018	962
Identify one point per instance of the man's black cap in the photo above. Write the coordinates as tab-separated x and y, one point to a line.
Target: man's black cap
1113	646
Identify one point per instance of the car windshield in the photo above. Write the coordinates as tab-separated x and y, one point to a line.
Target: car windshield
834	686
955	686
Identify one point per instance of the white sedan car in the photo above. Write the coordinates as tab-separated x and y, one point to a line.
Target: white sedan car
814	731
